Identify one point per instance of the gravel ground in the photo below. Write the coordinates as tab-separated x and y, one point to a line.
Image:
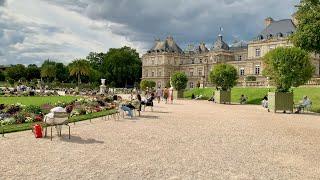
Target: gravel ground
186	140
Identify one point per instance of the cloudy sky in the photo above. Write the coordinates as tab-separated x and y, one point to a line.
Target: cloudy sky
34	30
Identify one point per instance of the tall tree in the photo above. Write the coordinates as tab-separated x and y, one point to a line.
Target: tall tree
122	66
95	60
16	72
33	72
48	70
62	73
78	68
307	36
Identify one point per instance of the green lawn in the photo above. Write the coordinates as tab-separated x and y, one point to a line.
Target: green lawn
36	100
255	95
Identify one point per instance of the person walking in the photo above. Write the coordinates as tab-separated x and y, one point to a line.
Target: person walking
159	94
166	94
171	95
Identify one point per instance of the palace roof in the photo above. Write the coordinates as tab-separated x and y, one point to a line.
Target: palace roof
219	44
281	28
169	45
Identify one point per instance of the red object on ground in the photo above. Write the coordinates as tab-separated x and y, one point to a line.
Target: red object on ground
37	130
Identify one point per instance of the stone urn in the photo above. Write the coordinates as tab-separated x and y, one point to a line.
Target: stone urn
103	88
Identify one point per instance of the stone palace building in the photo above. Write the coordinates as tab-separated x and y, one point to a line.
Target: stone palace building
166	57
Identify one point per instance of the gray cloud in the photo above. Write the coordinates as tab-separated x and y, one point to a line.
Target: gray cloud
188	21
139	21
2	2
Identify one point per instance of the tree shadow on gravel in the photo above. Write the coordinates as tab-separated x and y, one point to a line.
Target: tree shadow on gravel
79	140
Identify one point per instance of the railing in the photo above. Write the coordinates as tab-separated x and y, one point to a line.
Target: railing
312	82
252	83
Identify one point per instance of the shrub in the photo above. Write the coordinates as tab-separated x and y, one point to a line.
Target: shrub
144	84
179	81
33	109
288	67
224	76
7	121
12	109
251	78
20	118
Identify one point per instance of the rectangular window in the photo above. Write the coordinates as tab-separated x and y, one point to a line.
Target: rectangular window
191	72
191	85
241	71
152	62
159	73
240	58
146	74
257	70
258	52
200	61
200	72
192	61
152	74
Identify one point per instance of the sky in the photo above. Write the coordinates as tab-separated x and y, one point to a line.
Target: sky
32	31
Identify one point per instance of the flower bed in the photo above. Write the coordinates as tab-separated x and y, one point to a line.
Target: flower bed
19	115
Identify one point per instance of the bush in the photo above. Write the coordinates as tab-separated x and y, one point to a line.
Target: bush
20	118
251	78
224	76
179	81
12	109
144	84
288	67
33	109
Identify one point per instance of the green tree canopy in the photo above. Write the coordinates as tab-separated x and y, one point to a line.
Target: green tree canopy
48	70
96	60
78	68
288	67
62	73
2	76
33	72
307	36
122	66
179	81
144	84
16	72
224	76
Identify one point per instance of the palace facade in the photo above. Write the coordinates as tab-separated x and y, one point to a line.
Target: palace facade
166	57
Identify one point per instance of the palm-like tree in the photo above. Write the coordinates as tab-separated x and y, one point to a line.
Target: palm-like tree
78	68
48	71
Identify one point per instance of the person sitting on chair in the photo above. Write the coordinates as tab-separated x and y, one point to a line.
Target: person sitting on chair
243	99
264	101
149	101
304	103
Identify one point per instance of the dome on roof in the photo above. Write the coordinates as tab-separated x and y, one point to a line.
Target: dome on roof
220	44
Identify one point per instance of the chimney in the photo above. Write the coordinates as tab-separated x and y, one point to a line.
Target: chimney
294	19
268	21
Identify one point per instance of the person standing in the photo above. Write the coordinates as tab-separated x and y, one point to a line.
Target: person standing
171	95
159	94
166	94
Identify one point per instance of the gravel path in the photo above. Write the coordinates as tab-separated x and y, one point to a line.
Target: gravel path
186	140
